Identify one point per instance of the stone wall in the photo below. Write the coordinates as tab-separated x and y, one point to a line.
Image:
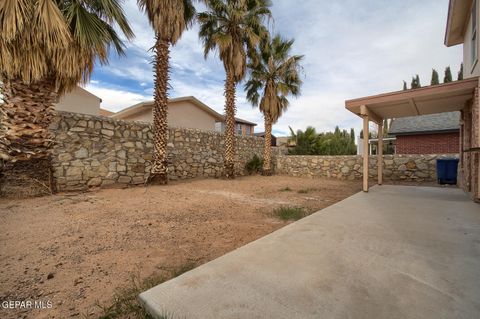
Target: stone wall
421	168
95	151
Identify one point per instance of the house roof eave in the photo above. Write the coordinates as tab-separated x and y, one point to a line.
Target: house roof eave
458	11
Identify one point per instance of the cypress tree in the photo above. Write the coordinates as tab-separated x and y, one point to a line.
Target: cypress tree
404	85
460	73
435	79
417	79
352	135
448	75
415	82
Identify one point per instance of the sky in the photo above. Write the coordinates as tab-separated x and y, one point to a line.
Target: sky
351	48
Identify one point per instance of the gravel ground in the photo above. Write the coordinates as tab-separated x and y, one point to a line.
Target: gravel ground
75	250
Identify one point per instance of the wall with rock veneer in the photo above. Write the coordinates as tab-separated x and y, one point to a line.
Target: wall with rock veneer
420	168
93	151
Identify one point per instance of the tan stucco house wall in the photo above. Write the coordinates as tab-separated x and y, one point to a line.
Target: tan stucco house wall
79	101
185	112
462	28
180	114
470	61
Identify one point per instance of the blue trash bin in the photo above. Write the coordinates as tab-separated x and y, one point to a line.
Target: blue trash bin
447	169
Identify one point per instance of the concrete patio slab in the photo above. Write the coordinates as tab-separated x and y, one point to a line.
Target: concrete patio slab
395	252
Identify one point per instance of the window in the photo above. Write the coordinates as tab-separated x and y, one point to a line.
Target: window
220	127
239	129
474	32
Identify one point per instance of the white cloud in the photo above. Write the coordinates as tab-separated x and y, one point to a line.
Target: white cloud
115	100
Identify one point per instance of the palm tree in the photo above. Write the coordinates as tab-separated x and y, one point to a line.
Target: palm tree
46	48
234	27
272	79
168	18
305	142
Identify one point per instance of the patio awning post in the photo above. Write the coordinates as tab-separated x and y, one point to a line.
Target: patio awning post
380	154
365	152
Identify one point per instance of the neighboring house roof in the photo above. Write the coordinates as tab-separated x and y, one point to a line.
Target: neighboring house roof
79	89
104	112
458	11
148	104
88	92
432	123
239	120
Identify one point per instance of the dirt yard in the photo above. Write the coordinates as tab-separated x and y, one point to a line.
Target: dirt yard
75	250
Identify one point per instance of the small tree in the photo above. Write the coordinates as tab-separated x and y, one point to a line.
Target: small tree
305	142
460	73
417	79
405	86
435	79
273	77
415	84
448	75
369	134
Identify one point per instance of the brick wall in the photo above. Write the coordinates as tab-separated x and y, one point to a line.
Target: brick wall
444	143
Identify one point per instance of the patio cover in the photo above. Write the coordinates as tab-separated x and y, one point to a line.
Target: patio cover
440	98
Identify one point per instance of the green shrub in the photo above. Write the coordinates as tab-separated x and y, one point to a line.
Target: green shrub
254	165
285	189
290	213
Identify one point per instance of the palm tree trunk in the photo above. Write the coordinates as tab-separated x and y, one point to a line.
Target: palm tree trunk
229	161
25	116
267	150
159	172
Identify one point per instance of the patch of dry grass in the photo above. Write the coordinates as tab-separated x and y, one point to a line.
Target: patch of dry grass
125	302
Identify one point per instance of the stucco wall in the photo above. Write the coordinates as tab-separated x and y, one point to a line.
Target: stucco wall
79	101
471	68
98	151
180	114
185	114
140	116
421	168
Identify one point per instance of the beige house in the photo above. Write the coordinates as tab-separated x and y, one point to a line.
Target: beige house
79	101
463	96
187	112
462	28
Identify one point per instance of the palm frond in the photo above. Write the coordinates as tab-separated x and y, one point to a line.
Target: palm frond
234	28
168	18
58	39
274	77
